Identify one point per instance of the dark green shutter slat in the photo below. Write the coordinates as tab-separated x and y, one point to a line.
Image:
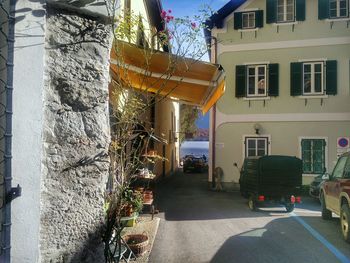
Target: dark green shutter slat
300	10
259	18
296	74
238	20
323	9
240	81
331	77
271	11
273	80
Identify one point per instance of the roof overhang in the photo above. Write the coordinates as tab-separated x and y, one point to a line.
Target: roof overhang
188	80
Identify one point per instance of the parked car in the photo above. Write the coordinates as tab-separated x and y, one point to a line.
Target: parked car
315	186
273	179
335	194
193	163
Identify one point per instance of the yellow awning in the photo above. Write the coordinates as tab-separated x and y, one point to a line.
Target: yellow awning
191	81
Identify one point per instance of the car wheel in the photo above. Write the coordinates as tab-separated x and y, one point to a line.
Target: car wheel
252	203
326	214
289	207
345	222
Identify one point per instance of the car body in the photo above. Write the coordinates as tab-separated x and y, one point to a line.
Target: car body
193	163
335	194
315	186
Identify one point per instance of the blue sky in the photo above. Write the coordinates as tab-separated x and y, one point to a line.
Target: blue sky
183	8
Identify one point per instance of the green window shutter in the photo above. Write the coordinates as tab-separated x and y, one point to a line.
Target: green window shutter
296	76
273	80
331	77
300	10
323	9
259	18
271	11
237	20
240	81
306	155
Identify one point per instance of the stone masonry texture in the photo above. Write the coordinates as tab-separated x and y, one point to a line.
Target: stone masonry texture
76	137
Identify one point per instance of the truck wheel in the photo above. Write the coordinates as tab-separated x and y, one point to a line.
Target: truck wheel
289	207
345	222
326	214
252	203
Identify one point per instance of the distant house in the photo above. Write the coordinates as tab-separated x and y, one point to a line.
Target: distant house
287	83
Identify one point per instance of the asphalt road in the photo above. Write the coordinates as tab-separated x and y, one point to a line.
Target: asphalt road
199	225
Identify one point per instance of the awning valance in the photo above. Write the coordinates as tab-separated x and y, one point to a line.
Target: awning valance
191	81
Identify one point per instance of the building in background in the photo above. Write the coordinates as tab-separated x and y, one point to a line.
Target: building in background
287	83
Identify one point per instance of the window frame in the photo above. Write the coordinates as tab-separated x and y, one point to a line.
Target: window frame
256	82
256	138
285	13
325	166
254	20
338	16
312	78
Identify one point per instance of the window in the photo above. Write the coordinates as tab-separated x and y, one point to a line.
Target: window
248	20
256	146
338	8
285	10
256	80
339	168
313	155
282	11
313	78
347	169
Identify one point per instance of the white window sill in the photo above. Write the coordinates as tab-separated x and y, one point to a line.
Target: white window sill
337	19
285	23
256	98
311	175
248	29
313	97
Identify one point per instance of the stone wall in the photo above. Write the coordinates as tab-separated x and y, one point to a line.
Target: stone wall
76	137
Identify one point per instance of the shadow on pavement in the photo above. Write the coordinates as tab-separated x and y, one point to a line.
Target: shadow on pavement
188	197
275	239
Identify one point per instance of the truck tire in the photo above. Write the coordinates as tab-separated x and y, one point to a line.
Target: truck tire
252	203
326	214
345	222
289	207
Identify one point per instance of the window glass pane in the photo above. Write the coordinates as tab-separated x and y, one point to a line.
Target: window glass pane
306	155
333	4
318	82
338	170
343	12
261	144
290	2
251	85
318	67
307	68
261	71
307	83
251	143
290	16
251	71
251	152
342	3
333	13
245	20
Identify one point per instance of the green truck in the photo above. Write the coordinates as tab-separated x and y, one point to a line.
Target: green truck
273	179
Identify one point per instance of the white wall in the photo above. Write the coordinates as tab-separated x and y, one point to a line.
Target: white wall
27	130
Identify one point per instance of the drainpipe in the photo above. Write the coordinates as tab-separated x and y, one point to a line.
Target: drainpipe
10	193
214	122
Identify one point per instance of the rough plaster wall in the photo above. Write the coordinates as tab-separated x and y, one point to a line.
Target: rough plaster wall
76	138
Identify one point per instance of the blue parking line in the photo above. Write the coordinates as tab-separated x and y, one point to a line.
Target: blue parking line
333	249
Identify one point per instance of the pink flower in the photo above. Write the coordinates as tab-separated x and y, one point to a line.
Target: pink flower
163	14
169	11
193	25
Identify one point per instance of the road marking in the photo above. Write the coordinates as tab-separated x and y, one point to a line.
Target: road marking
333	249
